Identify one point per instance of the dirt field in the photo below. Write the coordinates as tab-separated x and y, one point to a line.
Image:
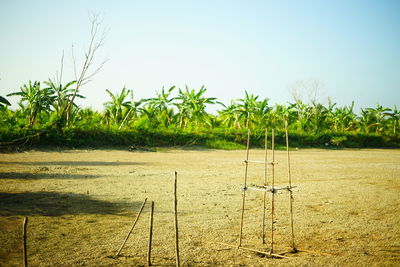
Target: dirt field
81	204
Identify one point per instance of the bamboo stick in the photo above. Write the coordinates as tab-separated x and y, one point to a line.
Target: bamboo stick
150	234
269	188
259	161
265	184
244	188
290	185
268	254
255	161
133	226
307	251
176	220
273	194
24	226
272	255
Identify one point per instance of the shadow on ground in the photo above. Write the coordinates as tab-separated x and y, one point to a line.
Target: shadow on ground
56	204
33	176
73	163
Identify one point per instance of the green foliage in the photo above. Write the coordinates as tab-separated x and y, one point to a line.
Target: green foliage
179	118
4	102
338	140
34	100
223	144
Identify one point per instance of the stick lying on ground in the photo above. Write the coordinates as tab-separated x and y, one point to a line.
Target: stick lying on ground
268	254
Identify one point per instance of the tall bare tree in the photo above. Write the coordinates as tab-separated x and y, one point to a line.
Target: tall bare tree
89	68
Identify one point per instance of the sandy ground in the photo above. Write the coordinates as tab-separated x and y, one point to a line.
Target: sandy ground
81	204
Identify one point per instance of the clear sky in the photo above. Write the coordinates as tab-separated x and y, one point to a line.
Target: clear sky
351	47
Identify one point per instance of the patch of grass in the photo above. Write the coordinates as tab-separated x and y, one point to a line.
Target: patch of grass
223	144
218	138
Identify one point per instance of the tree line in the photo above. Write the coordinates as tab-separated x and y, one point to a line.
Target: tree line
44	105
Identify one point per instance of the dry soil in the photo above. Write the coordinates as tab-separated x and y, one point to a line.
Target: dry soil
81	204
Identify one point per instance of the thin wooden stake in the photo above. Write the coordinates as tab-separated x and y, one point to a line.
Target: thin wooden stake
176	220
24	226
244	188
133	226
150	234
290	185
265	184
273	193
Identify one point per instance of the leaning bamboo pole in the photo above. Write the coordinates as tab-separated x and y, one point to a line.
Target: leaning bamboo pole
133	226
24	226
176	220
244	188
272	190
290	186
150	233
265	184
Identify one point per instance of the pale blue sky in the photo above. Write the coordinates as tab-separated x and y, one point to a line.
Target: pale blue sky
351	47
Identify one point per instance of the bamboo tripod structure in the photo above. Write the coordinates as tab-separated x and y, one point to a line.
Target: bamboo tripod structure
265	188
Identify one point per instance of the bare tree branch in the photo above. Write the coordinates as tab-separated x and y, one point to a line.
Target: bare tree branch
85	75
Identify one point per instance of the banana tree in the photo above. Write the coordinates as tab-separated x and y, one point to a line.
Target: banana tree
61	96
162	104
132	110
302	114
280	115
37	100
4	102
366	120
261	112
318	118
394	116
379	113
192	105
247	108
116	106
229	115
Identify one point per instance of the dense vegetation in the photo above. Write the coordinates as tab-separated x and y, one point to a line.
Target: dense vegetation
48	115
